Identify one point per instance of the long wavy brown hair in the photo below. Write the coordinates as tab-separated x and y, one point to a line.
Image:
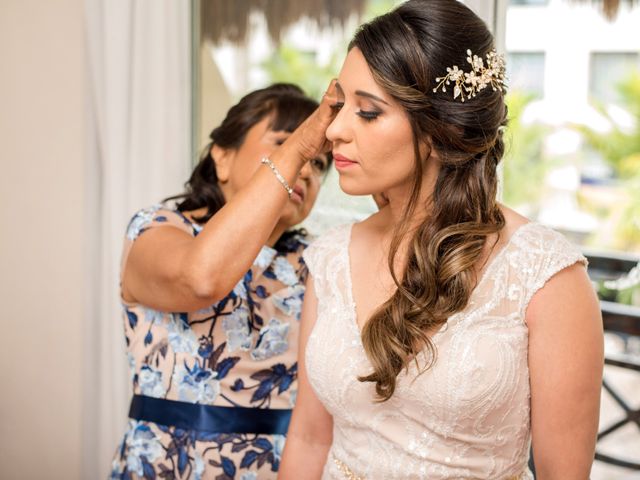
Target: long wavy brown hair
406	50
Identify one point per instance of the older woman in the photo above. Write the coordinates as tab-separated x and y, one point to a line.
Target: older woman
212	290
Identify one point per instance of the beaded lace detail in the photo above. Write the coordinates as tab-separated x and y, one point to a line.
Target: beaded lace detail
467	417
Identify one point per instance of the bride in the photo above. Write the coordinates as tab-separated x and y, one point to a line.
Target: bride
446	334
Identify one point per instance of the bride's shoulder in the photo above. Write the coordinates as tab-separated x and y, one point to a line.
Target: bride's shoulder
513	221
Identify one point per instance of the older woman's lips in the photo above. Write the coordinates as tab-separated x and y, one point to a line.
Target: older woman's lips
343	162
298	194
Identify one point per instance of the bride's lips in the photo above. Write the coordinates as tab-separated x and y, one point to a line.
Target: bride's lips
343	162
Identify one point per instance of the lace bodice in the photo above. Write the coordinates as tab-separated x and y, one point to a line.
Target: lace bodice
465	417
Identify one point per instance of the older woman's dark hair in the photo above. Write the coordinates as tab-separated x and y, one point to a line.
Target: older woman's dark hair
406	50
286	105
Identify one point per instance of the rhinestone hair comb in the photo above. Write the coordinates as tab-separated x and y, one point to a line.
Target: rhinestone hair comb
468	84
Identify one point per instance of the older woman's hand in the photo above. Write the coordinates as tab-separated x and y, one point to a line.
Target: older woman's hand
309	139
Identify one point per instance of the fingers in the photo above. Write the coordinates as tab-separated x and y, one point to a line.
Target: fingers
330	97
309	139
311	136
326	111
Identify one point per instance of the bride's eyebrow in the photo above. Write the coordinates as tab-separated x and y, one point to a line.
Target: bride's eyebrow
361	93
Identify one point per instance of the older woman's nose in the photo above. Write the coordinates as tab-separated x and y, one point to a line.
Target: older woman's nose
307	171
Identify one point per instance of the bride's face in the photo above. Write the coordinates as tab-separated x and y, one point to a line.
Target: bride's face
372	137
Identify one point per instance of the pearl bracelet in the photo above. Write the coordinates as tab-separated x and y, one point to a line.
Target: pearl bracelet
267	161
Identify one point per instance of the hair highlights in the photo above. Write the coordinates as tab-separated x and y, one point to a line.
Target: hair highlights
406	50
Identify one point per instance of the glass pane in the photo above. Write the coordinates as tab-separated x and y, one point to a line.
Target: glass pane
574	156
607	70
525	71
528	2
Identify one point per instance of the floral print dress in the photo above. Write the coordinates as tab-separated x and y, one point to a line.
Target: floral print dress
239	352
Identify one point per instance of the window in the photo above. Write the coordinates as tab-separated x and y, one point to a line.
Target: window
606	70
529	2
525	71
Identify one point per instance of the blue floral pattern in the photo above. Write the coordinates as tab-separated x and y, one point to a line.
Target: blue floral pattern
150	382
181	338
238	330
141	221
236	352
196	385
273	340
290	301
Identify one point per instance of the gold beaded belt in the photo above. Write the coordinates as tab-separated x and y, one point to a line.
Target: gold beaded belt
346	471
350	475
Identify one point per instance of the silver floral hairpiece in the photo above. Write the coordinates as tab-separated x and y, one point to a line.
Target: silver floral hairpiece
468	84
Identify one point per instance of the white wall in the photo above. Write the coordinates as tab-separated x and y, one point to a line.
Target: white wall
568	33
42	92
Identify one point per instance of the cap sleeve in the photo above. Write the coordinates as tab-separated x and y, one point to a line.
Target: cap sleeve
156	216
311	256
325	255
549	252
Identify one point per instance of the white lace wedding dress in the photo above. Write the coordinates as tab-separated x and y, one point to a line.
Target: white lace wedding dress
467	417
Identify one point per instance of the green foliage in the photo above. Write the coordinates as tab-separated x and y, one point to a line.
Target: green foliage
628	228
524	165
621	149
376	8
625	289
287	64
626	296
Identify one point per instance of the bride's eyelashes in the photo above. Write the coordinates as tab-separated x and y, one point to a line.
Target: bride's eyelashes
367	115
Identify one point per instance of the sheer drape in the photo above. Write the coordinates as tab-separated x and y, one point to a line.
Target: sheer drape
138	153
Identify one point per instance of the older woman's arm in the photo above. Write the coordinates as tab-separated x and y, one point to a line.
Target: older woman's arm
169	270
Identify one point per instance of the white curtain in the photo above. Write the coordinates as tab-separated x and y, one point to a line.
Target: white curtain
139	120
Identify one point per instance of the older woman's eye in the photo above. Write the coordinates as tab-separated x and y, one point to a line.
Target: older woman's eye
319	165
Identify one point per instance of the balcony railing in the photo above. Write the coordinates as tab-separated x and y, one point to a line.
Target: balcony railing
622	320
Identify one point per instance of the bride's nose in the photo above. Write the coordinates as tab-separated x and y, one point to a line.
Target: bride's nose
339	131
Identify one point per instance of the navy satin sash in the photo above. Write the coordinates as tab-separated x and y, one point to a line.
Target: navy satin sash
209	418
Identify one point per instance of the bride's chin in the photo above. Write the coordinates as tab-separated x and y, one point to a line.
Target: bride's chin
350	187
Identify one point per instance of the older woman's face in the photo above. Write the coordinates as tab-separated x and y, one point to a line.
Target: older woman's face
235	168
372	137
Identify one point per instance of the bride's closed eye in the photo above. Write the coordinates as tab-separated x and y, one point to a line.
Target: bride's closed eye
368	115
